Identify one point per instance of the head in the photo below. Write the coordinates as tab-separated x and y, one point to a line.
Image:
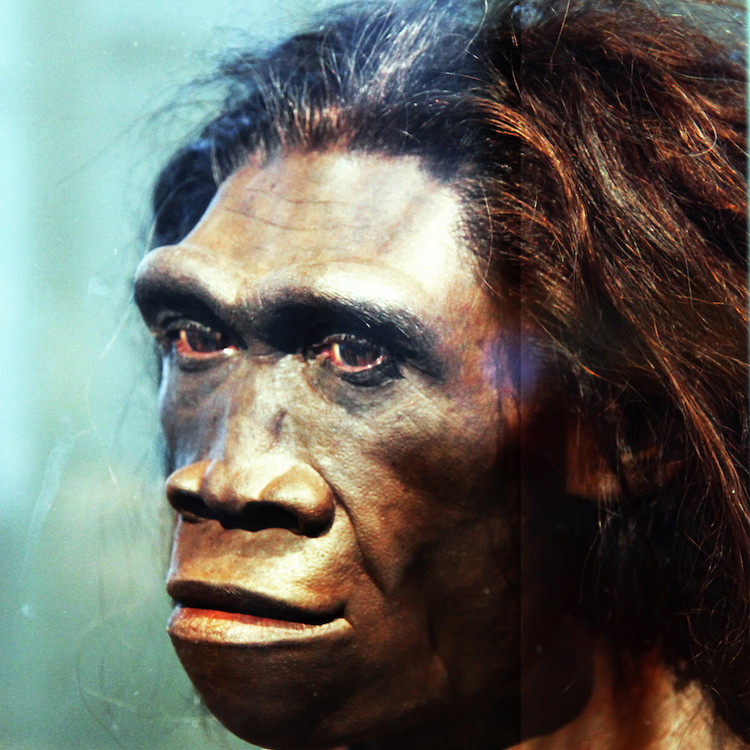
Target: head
453	323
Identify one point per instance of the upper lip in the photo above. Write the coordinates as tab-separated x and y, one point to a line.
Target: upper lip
229	598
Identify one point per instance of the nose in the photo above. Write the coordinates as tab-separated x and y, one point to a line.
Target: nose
274	493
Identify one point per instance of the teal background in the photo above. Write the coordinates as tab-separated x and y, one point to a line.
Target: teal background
84	658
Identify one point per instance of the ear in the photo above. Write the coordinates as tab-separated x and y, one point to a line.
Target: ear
588	473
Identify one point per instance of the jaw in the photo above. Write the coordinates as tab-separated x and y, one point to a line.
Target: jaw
300	693
328	685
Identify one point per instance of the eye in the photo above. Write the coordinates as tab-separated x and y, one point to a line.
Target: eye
355	355
357	360
193	342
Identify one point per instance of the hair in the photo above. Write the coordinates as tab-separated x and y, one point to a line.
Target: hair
600	151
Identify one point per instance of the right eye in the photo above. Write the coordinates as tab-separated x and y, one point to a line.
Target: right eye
193	342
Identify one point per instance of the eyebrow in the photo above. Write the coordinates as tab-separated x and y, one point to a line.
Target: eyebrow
277	316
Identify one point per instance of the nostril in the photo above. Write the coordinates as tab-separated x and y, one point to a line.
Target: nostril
302	493
190	506
183	492
295	498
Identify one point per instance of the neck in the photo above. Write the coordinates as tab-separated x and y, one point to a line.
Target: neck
639	705
635	704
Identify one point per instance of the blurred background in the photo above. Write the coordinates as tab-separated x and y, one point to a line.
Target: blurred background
85	661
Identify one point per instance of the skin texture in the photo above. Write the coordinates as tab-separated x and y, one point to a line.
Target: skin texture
387	531
344	406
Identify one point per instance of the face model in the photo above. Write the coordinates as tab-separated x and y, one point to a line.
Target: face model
342	428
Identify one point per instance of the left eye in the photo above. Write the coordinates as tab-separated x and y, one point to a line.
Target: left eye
353	356
358	360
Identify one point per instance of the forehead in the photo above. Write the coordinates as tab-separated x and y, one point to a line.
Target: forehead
338	207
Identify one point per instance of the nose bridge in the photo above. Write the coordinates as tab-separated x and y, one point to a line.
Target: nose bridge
258	473
255	423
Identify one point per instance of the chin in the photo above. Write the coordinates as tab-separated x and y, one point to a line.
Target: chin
309	689
279	694
281	698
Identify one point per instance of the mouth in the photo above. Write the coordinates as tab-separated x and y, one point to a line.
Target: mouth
229	615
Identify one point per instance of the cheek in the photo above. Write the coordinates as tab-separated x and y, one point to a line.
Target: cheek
194	407
189	427
411	473
437	527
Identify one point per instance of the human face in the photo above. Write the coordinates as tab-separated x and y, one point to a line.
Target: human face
339	417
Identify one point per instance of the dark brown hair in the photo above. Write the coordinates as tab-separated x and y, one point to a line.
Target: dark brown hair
604	142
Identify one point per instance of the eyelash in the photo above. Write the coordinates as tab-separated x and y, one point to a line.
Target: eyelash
194	345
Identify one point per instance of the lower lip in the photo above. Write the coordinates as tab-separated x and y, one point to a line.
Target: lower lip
234	629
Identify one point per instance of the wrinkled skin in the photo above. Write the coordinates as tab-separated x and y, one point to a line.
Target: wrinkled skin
343	410
392	537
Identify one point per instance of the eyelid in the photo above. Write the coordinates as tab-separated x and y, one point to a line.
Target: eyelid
170	318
